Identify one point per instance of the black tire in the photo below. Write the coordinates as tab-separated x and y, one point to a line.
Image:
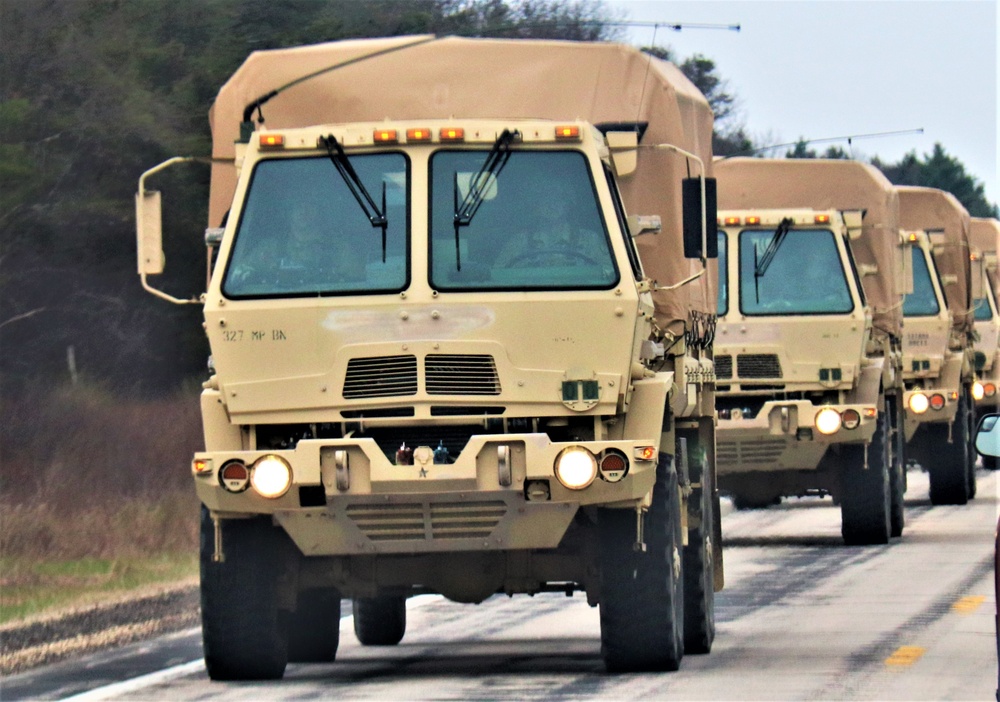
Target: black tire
314	627
746	502
699	568
865	499
245	635
897	468
379	621
990	462
948	467
642	593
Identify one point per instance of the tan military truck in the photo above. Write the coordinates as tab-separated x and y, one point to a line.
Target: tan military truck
439	363
808	345
938	342
984	235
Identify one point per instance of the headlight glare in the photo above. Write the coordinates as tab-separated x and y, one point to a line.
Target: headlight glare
919	403
576	467
828	421
271	476
978	391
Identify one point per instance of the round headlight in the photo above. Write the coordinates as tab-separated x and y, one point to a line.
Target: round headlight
978	391
576	467
937	402
828	421
919	403
851	419
271	476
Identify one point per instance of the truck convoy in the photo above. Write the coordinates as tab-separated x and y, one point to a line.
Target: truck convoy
809	339
984	235
938	354
443	358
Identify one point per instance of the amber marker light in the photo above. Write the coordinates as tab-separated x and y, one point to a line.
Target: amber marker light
822	219
272	141
385	136
753	220
201	466
452	134
568	132
645	453
418	134
732	221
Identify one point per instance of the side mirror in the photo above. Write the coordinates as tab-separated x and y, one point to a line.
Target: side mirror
149	232
698	243
988	436
978	278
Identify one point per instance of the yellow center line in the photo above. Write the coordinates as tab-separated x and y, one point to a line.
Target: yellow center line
905	655
967	605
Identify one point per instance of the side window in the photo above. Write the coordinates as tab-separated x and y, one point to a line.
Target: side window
633	255
723	275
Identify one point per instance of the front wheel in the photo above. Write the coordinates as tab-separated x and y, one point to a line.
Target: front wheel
865	499
949	466
244	633
642	592
699	566
314	627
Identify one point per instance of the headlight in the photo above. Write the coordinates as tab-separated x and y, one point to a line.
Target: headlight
271	476
978	391
851	419
828	421
576	467
919	403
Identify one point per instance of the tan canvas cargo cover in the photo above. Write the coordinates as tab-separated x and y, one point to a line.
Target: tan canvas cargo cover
937	211
423	77
829	184
984	234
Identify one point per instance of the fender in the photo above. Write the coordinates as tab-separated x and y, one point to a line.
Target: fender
869	381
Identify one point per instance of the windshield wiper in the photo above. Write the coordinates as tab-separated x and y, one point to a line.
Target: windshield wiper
488	172
353	181
761	265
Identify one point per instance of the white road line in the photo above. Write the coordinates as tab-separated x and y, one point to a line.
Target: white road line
126	687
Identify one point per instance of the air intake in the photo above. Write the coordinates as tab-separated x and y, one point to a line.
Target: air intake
723	367
758	365
382	376
460	374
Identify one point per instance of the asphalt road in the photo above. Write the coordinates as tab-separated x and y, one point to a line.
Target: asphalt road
802	617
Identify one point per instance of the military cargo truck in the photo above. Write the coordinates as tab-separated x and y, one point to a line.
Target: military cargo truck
984	235
938	342
808	346
450	352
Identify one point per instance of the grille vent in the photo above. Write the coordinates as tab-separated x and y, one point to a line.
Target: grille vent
460	374
724	366
757	365
425	522
382	376
741	453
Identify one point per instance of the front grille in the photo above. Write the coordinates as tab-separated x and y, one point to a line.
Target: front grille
461	374
724	367
761	452
758	365
382	376
428	521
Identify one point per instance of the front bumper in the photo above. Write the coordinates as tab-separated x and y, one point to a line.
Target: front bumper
500	493
783	436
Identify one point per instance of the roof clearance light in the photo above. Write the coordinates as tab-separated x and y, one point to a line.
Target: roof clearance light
385	136
568	132
418	134
452	134
937	402
753	220
822	219
272	141
919	403
913	236
828	421
732	221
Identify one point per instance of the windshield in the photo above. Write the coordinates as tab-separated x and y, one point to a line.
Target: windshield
981	305
303	232
723	275
806	275
538	226
921	302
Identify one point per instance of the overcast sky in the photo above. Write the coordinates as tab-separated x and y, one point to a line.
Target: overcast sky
829	68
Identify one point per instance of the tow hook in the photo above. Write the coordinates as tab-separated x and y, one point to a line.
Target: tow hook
640	537
218	556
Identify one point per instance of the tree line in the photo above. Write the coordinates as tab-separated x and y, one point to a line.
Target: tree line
93	92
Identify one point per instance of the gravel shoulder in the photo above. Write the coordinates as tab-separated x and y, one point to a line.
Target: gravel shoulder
140	615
